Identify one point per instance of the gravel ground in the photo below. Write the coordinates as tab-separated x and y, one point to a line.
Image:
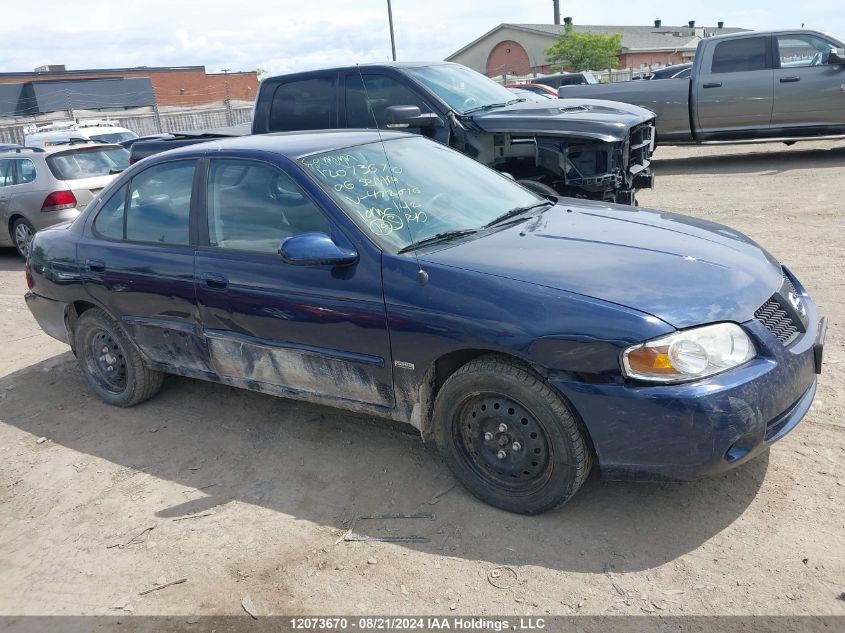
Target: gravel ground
243	494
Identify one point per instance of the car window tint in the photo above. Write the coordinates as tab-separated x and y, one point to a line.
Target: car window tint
109	220
253	206
381	91
803	50
160	203
747	53
26	171
7	172
88	162
303	105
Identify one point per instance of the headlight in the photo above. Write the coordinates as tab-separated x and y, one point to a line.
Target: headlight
690	354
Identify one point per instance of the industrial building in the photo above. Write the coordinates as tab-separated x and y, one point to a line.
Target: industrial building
54	88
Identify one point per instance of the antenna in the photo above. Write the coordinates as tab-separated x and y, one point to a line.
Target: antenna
422	276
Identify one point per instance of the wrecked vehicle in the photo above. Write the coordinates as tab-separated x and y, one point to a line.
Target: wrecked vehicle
529	337
582	148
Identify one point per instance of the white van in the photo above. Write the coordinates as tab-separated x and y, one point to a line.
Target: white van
66	132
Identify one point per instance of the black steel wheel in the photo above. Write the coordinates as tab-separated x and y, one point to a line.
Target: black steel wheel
503	442
508	437
110	361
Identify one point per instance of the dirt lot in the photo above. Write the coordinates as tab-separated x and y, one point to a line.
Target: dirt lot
247	495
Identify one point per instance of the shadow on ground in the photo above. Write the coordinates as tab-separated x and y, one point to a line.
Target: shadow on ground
326	466
744	162
9	260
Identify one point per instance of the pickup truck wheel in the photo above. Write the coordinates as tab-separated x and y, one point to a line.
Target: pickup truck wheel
508	437
538	187
111	363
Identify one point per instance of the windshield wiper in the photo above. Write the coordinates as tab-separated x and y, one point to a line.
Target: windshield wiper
515	212
490	106
443	236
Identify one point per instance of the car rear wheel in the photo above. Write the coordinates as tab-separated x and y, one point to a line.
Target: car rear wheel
22	234
111	363
509	438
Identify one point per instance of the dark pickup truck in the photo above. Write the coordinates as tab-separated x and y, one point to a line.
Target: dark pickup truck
745	87
574	147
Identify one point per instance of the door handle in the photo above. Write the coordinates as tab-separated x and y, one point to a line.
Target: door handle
712	84
787	80
96	265
214	281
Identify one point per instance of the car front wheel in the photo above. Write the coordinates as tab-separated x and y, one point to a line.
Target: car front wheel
111	363
509	438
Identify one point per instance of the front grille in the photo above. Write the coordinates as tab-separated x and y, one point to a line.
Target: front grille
640	147
778	321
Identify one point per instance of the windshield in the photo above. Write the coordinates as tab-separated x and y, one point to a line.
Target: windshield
88	162
461	88
413	189
114	137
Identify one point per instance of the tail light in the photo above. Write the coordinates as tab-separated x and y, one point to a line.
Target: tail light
29	282
59	200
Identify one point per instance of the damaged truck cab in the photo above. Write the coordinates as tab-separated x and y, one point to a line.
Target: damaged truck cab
579	148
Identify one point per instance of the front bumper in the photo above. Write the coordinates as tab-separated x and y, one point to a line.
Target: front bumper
683	432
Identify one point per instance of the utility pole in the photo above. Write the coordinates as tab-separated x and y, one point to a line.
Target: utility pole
230	119
392	39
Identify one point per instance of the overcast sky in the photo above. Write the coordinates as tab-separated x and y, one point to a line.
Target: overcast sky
285	35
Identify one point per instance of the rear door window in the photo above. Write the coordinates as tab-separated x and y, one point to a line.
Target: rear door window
109	220
7	172
305	104
159	206
88	162
744	54
26	171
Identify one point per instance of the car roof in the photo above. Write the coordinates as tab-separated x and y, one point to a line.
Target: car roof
27	152
292	145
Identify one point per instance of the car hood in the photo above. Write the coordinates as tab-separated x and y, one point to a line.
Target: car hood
592	118
682	270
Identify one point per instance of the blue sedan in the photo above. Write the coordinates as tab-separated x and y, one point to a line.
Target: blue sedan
529	337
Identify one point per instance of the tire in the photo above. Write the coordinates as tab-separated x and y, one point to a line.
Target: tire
22	234
111	363
538	187
546	457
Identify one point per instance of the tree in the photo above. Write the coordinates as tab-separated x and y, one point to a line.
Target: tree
585	51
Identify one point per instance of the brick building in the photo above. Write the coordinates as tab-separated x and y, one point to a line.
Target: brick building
23	93
520	49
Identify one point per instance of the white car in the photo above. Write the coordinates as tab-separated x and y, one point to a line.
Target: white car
68	132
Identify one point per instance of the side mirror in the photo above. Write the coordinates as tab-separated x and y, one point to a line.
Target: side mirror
315	249
837	56
403	116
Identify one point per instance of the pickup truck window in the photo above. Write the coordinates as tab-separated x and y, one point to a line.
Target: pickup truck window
304	104
802	50
461	88
743	54
382	91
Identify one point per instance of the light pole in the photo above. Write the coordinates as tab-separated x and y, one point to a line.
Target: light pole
392	40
